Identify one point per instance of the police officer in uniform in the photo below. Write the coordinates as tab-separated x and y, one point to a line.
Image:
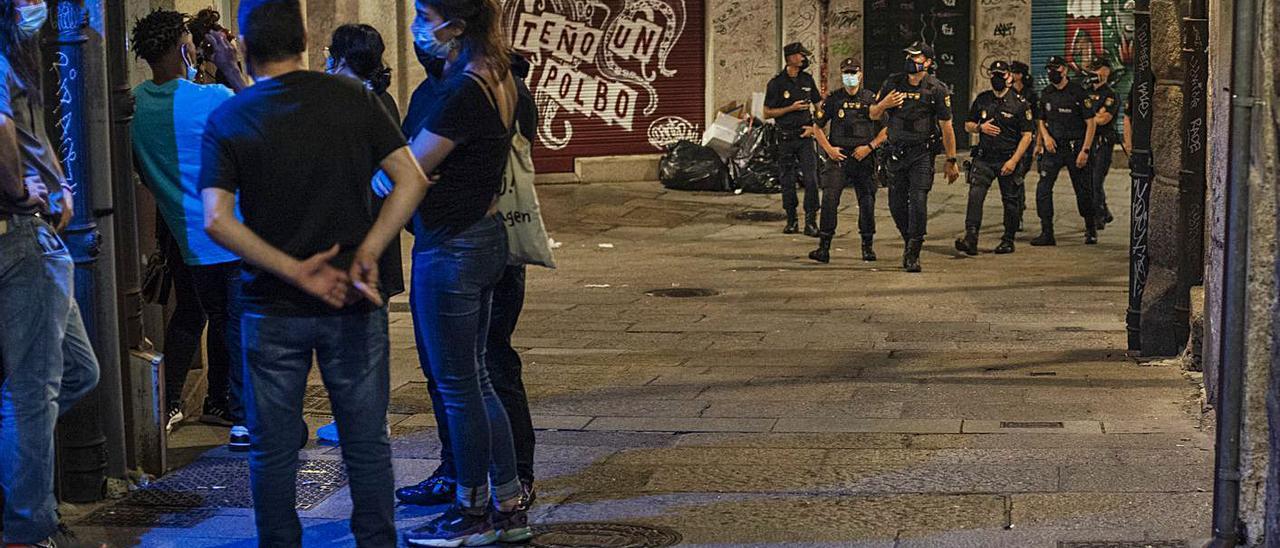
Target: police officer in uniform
1003	121
854	136
1067	130
1024	85
916	109
790	100
1105	103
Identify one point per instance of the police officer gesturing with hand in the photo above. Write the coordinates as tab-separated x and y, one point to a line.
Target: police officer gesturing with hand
1105	103
790	99
916	108
1066	135
853	139
1003	121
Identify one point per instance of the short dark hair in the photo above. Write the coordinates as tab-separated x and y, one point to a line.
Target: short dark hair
273	29
361	48
155	35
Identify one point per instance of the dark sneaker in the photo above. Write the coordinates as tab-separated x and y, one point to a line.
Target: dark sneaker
512	526
433	491
239	439
216	416
455	527
175	418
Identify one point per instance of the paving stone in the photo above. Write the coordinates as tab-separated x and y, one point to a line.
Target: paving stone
856	478
1144	478
905	426
673	424
779	440
1179	514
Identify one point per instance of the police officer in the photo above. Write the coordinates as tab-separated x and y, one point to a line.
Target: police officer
789	100
854	137
1066	136
1002	119
1024	85
1105	103
916	109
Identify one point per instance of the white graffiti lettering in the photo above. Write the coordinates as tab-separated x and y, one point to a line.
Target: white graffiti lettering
581	93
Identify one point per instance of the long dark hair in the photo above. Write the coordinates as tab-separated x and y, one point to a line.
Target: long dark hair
483	34
23	55
361	48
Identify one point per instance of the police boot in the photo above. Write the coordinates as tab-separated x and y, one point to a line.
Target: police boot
1107	217
823	253
811	224
1090	232
969	243
1006	245
911	259
1046	235
793	226
868	254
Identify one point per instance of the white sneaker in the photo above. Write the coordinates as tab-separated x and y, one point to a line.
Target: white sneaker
175	417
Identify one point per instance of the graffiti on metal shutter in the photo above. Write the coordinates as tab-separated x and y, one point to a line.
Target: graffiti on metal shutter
599	59
1082	30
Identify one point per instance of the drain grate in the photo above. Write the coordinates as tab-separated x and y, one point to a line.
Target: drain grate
120	515
613	535
682	292
224	483
758	216
1031	424
1124	544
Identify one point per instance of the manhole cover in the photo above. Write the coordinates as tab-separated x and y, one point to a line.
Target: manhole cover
1124	544
224	483
120	515
1032	424
612	535
682	292
759	216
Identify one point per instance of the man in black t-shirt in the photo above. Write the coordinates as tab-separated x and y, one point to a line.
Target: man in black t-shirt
300	149
1105	103
1002	119
1066	136
854	137
916	109
789	100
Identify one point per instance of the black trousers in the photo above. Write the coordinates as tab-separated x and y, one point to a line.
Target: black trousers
911	178
849	173
982	173
1099	166
797	158
505	373
203	297
1050	165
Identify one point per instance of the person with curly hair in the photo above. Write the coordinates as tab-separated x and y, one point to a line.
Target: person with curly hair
168	126
207	30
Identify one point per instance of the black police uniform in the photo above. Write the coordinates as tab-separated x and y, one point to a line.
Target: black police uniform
1101	99
851	127
1065	116
1033	99
1012	114
795	153
913	128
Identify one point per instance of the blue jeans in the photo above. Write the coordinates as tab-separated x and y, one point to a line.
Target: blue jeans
353	355
48	366
451	297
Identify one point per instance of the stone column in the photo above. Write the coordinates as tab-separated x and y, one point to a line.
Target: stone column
844	37
1002	31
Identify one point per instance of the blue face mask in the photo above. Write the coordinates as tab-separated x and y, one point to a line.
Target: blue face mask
424	37
851	80
31	18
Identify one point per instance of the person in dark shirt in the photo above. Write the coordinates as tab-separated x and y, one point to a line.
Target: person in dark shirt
1067	129
300	149
916	109
789	100
1105	103
1002	120
854	137
459	256
1024	85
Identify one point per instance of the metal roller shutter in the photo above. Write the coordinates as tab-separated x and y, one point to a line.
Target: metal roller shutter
612	76
1080	30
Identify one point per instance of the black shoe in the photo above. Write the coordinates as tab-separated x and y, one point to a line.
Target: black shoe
811	225
457	527
969	243
1091	238
238	441
1005	247
868	253
433	491
793	226
823	253
911	259
1044	239
1107	218
1100	223
215	415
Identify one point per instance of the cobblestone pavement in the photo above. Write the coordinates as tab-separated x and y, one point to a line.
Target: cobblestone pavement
985	402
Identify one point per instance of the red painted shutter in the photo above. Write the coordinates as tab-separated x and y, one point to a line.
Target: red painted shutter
611	77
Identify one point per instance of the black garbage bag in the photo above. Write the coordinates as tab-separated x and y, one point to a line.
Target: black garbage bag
690	166
754	163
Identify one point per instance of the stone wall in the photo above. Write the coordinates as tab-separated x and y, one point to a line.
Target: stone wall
1215	207
1002	31
745	50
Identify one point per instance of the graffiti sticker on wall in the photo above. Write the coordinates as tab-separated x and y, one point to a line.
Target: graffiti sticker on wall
598	60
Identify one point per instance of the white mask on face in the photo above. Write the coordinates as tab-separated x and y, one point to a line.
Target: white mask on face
851	80
31	18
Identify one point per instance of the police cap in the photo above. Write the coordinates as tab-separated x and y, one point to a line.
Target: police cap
1056	61
919	47
850	65
999	67
1018	67
1099	62
794	48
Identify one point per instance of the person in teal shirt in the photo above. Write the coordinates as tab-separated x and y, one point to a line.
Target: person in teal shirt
168	127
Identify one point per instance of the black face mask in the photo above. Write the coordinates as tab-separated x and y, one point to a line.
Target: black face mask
804	65
1092	78
1055	77
999	83
911	67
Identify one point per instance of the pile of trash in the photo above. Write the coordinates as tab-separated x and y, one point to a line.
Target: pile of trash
735	155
